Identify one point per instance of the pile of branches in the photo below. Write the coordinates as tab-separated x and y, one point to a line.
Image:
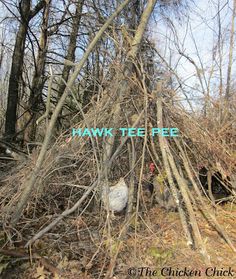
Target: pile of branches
75	168
66	177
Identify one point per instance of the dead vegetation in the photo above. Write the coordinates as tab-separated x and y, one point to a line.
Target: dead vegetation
67	225
54	223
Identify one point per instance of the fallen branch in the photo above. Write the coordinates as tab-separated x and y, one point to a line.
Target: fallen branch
64	214
24	255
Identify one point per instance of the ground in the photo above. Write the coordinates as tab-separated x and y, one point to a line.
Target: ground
81	248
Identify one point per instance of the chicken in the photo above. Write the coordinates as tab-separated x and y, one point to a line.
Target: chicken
158	189
220	187
162	194
117	196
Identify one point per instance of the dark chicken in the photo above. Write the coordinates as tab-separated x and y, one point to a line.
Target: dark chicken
219	187
159	189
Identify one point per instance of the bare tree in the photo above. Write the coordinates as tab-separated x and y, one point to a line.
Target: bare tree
36	89
26	14
231	48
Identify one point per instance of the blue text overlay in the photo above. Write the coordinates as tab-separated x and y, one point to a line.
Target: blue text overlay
129	132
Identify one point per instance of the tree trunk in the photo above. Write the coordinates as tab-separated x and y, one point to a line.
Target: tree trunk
70	56
38	77
71	46
127	71
16	70
231	48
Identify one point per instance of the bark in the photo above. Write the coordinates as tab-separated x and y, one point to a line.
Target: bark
123	85
1	54
38	77
16	70
209	182
132	160
190	226
127	71
70	56
191	215
231	48
163	146
16	66
202	205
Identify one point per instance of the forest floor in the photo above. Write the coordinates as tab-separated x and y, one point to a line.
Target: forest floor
81	248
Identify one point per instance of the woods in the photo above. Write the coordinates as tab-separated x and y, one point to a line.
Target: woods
117	144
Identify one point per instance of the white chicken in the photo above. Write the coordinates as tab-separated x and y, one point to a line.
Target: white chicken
117	196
